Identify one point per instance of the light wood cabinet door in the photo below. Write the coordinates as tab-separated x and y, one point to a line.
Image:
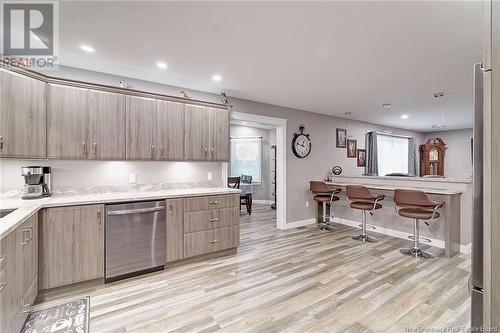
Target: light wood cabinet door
219	135
175	229
197	133
107	126
204	242
67	122
28	233
22	116
141	128
169	130
71	245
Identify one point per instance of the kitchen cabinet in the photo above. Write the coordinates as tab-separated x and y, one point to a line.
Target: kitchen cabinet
18	275
169	131
71	245
141	128
22	116
206	134
106	126
219	134
197	133
211	224
67	122
175	229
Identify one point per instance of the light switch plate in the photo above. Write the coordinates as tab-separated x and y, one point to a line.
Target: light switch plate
132	179
307	203
209	176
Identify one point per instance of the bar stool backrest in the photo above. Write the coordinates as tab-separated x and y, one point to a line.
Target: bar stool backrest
317	187
412	198
357	192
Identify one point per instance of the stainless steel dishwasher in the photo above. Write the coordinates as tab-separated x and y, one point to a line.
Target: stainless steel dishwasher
135	239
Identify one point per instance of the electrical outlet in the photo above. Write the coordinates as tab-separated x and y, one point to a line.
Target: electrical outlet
209	176
132	179
307	203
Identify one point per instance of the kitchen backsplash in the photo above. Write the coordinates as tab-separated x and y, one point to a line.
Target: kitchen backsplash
111	176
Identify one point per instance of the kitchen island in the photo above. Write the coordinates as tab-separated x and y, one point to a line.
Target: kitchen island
451	231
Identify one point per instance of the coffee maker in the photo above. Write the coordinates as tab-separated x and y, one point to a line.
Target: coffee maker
36	182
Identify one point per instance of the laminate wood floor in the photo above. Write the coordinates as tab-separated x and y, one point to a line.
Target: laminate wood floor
299	280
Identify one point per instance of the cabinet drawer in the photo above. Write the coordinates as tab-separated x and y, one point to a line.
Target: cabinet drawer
210	219
203	242
211	202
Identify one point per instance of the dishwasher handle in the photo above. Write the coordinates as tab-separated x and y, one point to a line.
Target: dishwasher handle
135	211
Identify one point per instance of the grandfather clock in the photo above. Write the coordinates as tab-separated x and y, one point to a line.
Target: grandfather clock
432	157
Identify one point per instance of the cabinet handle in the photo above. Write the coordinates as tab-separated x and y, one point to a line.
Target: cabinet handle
2	258
205	150
25	241
152	150
161	151
213	241
99	217
214	202
26	306
213	151
1	142
84	148
95	149
171	209
214	220
2	285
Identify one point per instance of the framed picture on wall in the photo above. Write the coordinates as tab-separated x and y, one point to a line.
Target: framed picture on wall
341	137
361	157
351	148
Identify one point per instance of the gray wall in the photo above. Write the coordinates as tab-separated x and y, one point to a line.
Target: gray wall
457	158
261	191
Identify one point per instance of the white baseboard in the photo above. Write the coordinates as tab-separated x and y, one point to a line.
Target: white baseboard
300	223
263	202
385	231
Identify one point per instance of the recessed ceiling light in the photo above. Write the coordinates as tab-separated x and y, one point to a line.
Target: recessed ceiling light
87	48
386	105
216	77
405	116
438	126
161	65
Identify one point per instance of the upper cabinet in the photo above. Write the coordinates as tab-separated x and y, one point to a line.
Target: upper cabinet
67	122
169	130
197	133
22	116
219	135
141	128
206	134
107	126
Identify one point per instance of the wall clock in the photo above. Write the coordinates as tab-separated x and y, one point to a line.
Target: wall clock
301	143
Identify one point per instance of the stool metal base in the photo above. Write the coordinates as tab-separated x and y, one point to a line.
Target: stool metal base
326	226
417	253
365	238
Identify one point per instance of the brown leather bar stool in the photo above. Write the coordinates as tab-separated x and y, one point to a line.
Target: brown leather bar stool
361	198
324	194
416	205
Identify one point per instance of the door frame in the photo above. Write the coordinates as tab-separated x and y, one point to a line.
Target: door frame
280	125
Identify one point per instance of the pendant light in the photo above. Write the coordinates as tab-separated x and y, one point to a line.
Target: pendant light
348	114
439	96
386	106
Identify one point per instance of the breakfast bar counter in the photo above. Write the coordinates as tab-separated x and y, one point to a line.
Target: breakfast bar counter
450	231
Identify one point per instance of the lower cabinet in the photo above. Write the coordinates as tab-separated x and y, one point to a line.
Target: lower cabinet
18	275
175	229
71	245
204	242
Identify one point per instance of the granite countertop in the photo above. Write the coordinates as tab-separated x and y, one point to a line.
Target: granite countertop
27	208
398	178
443	191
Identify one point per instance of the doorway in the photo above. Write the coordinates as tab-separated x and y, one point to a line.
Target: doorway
277	127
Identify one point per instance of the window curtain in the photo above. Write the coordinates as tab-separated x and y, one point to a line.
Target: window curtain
412	156
392	154
371	166
246	157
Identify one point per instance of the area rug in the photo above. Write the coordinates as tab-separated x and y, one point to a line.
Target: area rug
68	317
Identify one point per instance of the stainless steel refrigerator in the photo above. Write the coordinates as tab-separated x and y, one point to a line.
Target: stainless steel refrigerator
476	280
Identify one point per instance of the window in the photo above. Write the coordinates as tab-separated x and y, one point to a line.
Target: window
392	154
246	157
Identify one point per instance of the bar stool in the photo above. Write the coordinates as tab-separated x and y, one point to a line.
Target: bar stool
324	194
361	198
416	205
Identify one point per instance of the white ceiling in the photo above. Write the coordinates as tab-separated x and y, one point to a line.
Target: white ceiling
326	57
